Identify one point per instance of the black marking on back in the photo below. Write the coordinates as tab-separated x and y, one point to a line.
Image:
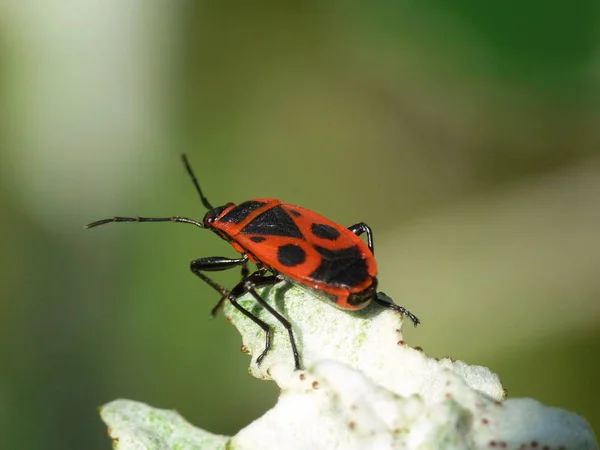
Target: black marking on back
291	255
296	213
241	211
345	267
274	222
324	231
258	239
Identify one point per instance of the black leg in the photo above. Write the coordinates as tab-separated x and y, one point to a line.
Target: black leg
258	322
217	263
250	284
387	302
361	228
245	270
282	320
213	264
257	279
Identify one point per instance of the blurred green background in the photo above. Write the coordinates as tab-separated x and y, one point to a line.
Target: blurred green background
465	133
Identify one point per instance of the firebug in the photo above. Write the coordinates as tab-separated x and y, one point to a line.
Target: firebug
286	243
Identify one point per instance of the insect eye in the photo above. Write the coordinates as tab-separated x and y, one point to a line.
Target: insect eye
214	214
209	218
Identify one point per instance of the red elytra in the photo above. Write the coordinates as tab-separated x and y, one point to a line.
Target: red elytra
303	246
290	243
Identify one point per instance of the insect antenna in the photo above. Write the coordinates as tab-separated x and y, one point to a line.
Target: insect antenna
205	201
178	219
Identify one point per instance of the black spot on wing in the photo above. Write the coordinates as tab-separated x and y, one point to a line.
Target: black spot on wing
296	212
324	231
345	267
291	255
274	222
241	211
258	239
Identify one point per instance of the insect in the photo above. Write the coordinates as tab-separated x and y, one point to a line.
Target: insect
289	243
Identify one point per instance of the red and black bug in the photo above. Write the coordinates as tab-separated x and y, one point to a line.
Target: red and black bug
290	243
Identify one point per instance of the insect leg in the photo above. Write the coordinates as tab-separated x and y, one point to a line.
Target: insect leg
213	264
361	228
245	270
216	263
250	284
387	302
219	306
